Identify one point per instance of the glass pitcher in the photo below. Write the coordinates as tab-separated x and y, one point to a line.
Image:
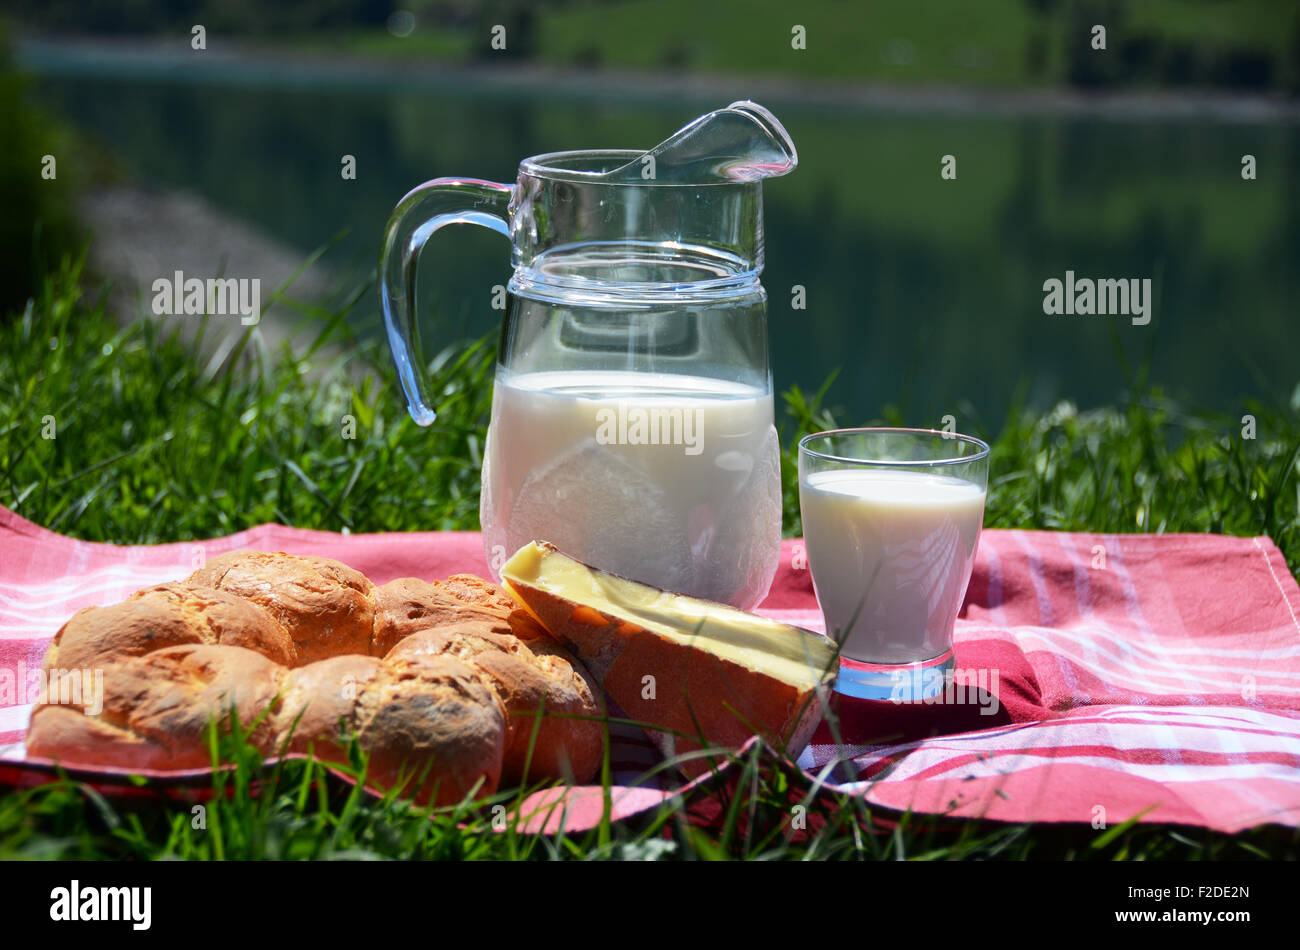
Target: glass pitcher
632	419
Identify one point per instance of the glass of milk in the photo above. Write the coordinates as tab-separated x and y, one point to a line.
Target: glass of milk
891	521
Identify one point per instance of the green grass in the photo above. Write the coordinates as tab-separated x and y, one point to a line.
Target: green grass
151	445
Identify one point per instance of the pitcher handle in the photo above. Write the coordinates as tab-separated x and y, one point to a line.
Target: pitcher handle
425	209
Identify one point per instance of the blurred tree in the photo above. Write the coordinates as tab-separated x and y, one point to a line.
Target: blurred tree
1240	68
37	227
1293	57
1085	66
235	16
519	17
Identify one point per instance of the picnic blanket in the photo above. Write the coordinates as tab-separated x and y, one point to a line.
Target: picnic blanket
1100	677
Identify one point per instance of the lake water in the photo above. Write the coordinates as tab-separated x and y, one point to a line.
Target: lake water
925	293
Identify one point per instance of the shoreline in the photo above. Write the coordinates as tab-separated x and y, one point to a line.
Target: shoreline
139	233
252	64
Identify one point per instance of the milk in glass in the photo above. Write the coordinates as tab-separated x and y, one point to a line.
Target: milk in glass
671	480
891	553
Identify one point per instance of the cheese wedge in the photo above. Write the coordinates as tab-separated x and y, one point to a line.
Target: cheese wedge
699	674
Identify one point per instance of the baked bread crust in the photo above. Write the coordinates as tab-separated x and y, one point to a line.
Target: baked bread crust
542	689
318	699
290	645
164	616
159	706
408	605
327	607
406	714
432	710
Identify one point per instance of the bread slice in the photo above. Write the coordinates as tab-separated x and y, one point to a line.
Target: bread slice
700	674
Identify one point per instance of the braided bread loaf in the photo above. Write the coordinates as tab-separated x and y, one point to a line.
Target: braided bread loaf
447	686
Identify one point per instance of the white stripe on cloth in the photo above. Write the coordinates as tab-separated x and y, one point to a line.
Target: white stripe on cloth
1230	741
990	553
1191	729
1006	763
1227	715
1295	621
15	718
1046	616
1157	656
1116	673
1233	718
103	580
1083	600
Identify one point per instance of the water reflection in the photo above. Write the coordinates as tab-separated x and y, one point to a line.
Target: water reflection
926	293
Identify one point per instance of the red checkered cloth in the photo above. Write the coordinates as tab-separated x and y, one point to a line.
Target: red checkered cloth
1110	676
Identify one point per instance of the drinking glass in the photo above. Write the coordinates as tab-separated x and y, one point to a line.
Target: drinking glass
891	521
